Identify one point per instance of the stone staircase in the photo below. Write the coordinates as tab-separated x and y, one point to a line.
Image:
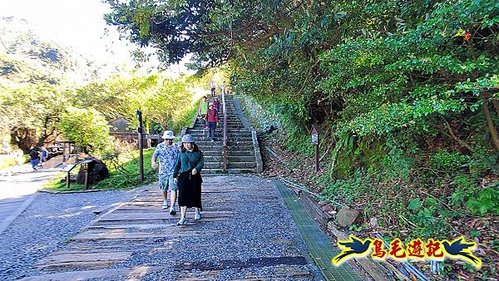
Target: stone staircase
241	152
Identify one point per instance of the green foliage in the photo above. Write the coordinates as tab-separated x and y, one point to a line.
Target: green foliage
32	108
349	189
448	161
267	112
187	118
86	127
487	201
7	161
127	176
465	188
428	217
156	96
175	28
414	204
396	164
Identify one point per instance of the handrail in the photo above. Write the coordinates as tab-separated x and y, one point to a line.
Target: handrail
225	150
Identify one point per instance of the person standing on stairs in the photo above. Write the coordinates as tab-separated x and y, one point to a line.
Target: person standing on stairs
187	170
203	109
212	118
213	87
216	104
167	154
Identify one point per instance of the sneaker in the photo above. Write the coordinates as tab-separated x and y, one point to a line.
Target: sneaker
172	211
165	205
182	221
197	215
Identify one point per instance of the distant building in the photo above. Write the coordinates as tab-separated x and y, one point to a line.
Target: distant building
120	125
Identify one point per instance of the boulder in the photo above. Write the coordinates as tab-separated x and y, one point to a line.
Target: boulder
346	216
97	171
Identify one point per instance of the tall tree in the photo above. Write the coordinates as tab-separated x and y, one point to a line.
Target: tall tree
213	31
30	113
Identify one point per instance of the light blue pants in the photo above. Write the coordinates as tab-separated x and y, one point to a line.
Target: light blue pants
166	182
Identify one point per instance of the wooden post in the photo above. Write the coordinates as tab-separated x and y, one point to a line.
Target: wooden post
141	148
86	175
315	142
64	153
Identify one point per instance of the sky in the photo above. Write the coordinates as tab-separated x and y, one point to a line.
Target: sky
78	24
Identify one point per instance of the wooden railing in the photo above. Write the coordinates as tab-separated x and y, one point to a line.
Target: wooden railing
225	149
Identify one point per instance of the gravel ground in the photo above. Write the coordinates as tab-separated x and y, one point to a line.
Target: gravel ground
46	224
260	227
259	238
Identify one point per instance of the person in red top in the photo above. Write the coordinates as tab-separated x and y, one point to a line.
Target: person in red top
212	118
216	104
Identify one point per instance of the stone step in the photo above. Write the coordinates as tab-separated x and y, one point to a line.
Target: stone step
200	130
213	165
210	151
241	165
231	153
235	120
241	155
209	143
231	158
240	140
220	127
204	139
233	142
236	147
200	137
228	171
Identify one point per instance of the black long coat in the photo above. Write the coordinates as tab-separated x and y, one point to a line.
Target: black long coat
189	189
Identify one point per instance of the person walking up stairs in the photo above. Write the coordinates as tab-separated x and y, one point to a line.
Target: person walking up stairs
241	152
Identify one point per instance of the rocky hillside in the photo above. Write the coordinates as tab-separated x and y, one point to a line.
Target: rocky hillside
25	58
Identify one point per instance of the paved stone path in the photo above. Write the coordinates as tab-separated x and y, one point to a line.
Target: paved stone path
18	187
246	233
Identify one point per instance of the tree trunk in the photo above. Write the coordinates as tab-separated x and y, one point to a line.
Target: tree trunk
454	137
496	106
23	138
492	127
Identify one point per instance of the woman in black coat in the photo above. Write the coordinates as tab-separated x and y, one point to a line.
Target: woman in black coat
187	170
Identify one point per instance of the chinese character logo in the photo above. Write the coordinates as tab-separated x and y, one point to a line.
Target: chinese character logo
417	249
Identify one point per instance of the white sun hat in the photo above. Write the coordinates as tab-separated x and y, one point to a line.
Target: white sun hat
168	135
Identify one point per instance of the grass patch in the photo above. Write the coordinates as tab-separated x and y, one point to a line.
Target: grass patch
7	161
125	178
186	120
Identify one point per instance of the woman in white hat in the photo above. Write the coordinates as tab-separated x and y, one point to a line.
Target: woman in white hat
187	170
167	154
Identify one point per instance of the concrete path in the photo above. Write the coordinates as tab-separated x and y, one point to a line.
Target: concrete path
18	187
